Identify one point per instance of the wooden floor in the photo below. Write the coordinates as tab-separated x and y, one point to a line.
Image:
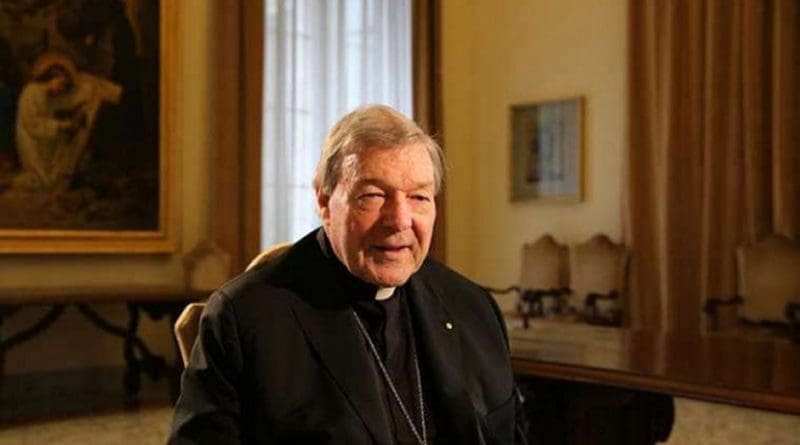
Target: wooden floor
83	407
148	425
107	421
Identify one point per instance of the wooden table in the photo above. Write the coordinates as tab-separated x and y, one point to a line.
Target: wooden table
605	385
752	369
155	301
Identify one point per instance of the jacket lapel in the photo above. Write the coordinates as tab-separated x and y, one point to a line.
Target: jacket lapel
439	341
325	315
335	337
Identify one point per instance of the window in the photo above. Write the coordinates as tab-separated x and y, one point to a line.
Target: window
322	58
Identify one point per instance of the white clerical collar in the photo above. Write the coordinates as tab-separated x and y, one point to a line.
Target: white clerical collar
384	293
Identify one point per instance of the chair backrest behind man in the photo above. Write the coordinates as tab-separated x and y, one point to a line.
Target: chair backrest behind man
769	278
543	277
188	324
544	264
598	270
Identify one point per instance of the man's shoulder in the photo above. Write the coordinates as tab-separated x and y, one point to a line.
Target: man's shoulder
468	302
271	279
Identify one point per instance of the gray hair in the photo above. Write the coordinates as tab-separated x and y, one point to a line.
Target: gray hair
367	127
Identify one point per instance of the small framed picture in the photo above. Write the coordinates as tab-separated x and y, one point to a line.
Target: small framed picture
547	151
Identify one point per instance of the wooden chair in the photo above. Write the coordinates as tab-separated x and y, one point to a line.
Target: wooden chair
769	288
188	324
598	271
542	280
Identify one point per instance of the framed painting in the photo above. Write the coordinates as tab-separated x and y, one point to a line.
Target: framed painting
87	157
547	151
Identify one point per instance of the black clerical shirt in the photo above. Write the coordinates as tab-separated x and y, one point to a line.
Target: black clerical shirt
389	325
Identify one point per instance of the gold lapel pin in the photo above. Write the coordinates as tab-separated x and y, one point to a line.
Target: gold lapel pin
449	326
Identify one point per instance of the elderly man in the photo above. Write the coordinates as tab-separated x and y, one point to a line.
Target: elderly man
352	336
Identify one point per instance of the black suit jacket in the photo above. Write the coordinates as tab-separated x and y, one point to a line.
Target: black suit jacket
279	359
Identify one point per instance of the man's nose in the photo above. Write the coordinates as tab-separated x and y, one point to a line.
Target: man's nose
397	213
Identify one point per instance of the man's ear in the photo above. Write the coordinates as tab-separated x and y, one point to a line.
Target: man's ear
323	205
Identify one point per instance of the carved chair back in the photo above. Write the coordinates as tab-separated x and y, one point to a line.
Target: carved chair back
598	271
769	278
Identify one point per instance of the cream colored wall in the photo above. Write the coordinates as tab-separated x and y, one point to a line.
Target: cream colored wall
501	53
498	53
458	60
72	342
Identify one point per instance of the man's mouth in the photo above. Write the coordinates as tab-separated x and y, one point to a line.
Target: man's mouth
392	248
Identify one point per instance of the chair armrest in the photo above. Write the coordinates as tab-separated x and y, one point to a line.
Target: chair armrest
593	297
502	291
532	302
594	314
723	312
713	304
793	312
536	296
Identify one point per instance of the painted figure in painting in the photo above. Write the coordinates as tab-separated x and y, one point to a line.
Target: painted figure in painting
57	111
79	115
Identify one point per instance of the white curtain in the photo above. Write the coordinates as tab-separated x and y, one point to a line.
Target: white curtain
322	59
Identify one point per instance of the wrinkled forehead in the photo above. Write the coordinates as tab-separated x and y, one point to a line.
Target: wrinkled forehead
410	162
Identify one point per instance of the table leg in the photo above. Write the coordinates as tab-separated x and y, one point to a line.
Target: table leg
132	379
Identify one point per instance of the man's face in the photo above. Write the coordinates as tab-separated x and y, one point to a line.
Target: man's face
58	84
380	216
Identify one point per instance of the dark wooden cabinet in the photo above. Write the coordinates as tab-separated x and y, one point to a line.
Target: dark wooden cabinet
565	412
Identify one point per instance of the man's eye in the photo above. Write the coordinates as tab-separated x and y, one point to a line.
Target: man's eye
421	198
370	196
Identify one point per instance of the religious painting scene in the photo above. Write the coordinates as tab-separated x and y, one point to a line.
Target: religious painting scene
79	115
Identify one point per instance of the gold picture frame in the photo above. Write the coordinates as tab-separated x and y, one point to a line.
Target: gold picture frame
547	151
120	63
